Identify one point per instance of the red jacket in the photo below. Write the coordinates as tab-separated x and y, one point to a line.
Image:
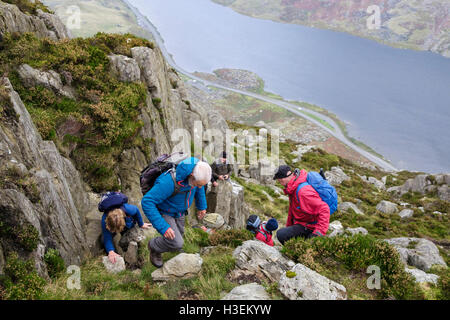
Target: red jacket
264	235
314	213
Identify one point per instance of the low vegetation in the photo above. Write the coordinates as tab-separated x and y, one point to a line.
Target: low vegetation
105	110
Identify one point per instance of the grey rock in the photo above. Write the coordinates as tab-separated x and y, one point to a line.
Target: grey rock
251	291
227	199
126	68
444	193
131	255
49	79
345	206
182	266
335	228
387	207
116	267
61	202
263	260
43	25
406	213
359	230
213	220
54	25
417	252
336	176
309	285
263	172
421	276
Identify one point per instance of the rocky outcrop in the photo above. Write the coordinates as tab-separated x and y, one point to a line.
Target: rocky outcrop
424	183
56	204
227	199
125	68
51	80
264	261
417	252
43	25
302	283
251	291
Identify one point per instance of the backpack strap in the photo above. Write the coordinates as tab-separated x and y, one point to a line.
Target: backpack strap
301	185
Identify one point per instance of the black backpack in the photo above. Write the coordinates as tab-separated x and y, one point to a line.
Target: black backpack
162	164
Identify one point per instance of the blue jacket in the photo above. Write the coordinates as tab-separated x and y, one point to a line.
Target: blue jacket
158	201
133	217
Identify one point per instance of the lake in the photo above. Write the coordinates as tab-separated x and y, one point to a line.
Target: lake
394	100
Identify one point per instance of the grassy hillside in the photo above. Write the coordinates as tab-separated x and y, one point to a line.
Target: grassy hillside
105	109
110	16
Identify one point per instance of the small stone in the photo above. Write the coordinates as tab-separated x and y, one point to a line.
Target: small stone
114	267
406	213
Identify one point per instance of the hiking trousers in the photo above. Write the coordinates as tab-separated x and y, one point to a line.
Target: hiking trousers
294	231
162	244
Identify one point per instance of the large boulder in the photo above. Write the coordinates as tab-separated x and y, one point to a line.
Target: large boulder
387	207
302	283
182	266
251	291
417	252
336	176
263	260
227	199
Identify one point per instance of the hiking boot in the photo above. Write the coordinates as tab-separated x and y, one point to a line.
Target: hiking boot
155	258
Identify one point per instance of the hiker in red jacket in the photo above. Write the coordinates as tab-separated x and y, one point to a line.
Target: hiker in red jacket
309	215
265	230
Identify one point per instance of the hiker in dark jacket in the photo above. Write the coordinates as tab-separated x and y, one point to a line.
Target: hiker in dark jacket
309	215
119	220
221	169
167	212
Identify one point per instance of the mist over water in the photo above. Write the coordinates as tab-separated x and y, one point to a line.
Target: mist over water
396	101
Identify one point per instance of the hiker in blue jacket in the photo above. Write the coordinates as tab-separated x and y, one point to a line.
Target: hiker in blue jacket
167	212
119	220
